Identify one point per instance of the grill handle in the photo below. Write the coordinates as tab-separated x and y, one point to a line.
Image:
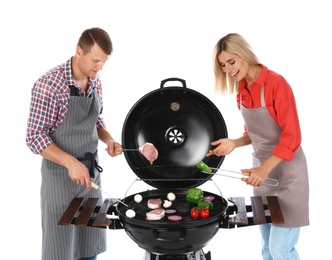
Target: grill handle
162	83
179	234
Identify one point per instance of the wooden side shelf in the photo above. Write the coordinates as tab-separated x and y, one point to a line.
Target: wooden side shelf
101	218
71	211
255	214
85	212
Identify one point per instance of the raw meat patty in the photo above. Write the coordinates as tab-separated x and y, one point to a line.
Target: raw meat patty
155	214
154	203
149	151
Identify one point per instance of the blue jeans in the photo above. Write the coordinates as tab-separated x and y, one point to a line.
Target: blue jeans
279	243
88	258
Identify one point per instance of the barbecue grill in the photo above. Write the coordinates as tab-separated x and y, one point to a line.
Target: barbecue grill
181	123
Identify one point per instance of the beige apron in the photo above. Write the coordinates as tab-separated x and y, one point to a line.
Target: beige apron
76	135
293	188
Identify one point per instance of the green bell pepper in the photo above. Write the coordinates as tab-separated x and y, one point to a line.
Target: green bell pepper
194	195
203	203
203	167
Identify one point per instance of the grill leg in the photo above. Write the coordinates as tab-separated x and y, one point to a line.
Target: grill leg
207	256
147	256
199	255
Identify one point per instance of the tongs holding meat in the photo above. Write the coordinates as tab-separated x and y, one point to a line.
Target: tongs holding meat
238	175
148	150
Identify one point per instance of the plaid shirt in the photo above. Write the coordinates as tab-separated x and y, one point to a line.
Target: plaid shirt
49	105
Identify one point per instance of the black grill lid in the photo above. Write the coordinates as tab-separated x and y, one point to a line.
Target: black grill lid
181	123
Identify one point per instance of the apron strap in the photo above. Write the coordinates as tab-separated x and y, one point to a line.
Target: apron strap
74	91
93	163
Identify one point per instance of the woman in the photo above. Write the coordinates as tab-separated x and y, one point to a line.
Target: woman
268	107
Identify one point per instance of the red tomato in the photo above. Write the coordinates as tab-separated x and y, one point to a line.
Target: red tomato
205	212
195	212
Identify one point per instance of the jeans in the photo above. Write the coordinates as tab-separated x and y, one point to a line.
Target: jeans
279	243
88	258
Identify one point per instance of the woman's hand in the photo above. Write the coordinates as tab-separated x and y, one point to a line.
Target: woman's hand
256	176
224	146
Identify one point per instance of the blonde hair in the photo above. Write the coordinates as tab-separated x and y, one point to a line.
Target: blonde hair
235	44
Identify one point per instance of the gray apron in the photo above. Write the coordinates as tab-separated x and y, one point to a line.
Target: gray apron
293	188
76	135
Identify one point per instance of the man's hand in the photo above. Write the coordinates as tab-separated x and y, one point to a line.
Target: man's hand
79	174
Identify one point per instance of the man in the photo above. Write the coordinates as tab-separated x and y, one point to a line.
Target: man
64	127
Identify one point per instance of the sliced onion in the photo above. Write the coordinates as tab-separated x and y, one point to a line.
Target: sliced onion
170	211
208	198
174	218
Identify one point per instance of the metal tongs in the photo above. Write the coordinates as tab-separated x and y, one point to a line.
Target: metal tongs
239	175
137	210
268	181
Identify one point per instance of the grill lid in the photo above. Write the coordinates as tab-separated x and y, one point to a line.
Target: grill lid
181	123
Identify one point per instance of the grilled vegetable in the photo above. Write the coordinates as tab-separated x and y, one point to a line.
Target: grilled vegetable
167	204
208	198
174	218
170	211
138	198
171	196
203	167
130	213
204	212
202	204
194	195
195	212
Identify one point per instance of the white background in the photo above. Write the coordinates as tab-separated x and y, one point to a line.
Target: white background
155	40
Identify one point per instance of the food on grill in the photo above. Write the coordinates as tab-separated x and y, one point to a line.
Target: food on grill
170	211
204	212
149	151
155	214
138	198
130	213
154	203
194	212
208	198
202	204
194	195
174	218
171	196
203	167
167	204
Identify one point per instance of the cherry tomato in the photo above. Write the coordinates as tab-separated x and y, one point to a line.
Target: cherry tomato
205	212
195	212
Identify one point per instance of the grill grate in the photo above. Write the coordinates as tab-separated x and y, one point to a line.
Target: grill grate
180	204
160	179
171	173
